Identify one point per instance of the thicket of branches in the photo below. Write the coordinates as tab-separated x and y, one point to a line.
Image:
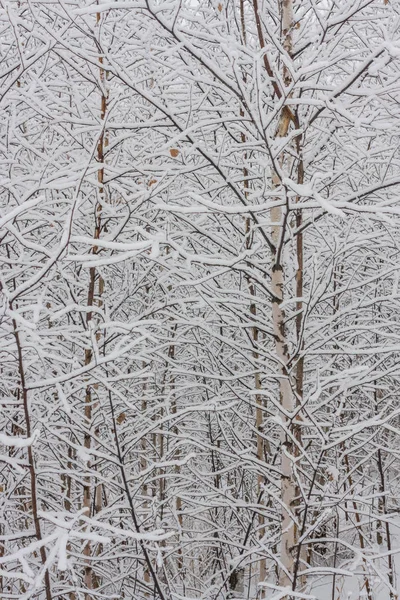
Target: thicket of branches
199	257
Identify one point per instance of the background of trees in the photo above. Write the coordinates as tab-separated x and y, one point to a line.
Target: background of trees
199	283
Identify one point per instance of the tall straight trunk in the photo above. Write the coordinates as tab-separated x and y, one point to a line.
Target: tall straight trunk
301	556
22	393
382	503
31	467
383	510
287	401
94	280
175	431
261	446
358	518
145	487
287	397
287	393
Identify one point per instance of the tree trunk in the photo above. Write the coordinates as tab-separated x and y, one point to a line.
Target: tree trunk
32	470
287	397
94	279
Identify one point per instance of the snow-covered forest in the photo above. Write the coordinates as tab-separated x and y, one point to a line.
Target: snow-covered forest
199	299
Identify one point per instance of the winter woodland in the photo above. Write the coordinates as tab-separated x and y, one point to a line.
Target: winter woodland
199	299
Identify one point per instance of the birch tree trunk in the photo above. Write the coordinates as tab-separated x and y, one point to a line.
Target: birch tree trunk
279	221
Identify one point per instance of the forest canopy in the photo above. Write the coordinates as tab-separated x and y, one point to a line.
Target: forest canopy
199	299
